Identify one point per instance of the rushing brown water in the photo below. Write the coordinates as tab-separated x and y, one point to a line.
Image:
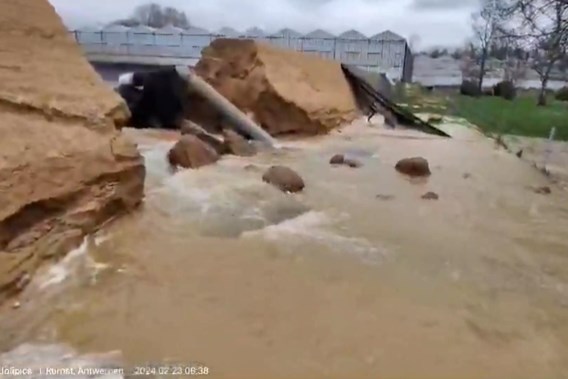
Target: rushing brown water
336	282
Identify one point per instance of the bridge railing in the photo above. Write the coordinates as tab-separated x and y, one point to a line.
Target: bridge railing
375	55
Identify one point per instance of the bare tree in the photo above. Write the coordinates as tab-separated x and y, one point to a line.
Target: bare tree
457	54
469	69
175	17
485	24
438	52
155	16
148	14
515	70
506	49
544	23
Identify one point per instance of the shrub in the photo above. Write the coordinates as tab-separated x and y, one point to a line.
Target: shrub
469	88
488	92
505	89
562	94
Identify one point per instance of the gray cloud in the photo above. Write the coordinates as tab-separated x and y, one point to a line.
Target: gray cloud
446	26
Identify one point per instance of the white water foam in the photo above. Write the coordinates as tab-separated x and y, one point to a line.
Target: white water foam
60	271
315	227
76	262
155	161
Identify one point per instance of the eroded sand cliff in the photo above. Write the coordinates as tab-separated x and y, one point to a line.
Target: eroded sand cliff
286	91
64	166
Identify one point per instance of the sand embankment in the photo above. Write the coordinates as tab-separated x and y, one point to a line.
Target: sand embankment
65	168
287	92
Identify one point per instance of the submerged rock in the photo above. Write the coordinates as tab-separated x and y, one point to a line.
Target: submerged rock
284	178
544	190
252	168
241	217
416	166
384	197
236	144
353	163
337	159
430	196
191	152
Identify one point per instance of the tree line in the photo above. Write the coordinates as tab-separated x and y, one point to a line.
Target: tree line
533	31
155	16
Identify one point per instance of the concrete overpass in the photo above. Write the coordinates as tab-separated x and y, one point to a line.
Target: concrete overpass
111	65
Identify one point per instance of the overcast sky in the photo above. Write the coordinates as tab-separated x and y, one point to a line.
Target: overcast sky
435	22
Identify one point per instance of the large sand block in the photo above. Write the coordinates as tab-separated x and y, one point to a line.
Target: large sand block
64	167
286	91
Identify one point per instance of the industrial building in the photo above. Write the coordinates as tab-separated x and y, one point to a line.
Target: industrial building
385	52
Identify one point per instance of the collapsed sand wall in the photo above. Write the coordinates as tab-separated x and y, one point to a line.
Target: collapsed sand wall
64	166
286	91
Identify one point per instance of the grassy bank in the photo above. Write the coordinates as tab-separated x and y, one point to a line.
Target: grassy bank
495	115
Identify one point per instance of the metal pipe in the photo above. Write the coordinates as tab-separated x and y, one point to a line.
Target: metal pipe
233	115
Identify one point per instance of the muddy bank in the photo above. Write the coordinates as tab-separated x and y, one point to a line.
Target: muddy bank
64	167
285	91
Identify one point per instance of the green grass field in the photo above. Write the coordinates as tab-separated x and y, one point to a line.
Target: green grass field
496	115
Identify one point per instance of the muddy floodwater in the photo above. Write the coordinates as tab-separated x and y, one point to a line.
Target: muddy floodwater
356	277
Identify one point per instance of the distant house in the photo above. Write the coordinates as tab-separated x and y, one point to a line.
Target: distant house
444	71
392	54
255	33
320	42
287	38
89	35
168	39
195	39
115	35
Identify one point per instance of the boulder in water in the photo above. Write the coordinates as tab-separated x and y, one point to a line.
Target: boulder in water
430	196
191	152
284	178
416	166
353	163
544	190
337	159
237	145
191	128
